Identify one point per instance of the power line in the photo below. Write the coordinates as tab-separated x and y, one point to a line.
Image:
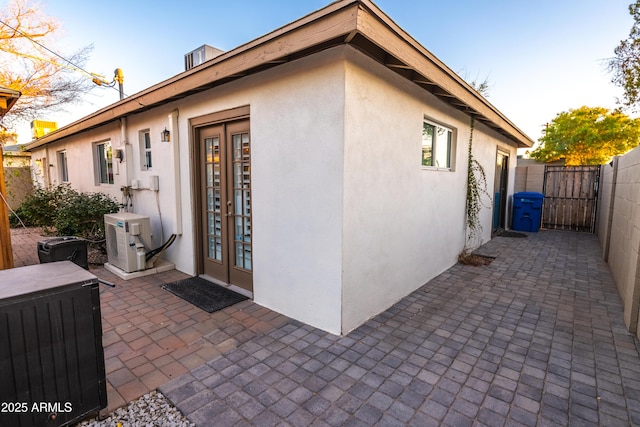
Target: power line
93	76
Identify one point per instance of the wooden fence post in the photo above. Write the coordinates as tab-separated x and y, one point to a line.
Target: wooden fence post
6	253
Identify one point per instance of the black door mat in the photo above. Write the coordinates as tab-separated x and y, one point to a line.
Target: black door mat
204	294
511	234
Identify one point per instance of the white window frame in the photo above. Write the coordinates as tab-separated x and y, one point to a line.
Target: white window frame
101	151
144	136
63	166
442	143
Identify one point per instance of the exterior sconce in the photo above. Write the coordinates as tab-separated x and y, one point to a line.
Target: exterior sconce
165	135
118	154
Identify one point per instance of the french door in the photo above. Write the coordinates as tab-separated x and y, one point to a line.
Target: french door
225	175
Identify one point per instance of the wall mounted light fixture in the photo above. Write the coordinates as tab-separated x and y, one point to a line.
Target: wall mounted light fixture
165	135
118	154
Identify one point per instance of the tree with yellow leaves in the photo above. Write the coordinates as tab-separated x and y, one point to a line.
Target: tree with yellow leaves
29	64
588	136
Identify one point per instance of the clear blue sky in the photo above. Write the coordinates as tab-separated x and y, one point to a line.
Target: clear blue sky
541	57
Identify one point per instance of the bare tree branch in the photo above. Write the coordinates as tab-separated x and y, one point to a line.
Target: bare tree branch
28	64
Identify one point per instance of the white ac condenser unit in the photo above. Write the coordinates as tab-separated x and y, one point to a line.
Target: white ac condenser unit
128	238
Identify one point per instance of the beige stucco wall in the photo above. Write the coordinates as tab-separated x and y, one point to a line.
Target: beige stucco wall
297	173
345	220
297	134
618	228
79	150
403	223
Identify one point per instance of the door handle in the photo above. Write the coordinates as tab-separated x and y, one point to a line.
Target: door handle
229	210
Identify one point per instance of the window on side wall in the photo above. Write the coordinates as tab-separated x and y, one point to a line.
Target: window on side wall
145	150
104	163
437	145
63	172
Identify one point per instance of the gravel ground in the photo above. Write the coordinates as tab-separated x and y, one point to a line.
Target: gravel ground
152	409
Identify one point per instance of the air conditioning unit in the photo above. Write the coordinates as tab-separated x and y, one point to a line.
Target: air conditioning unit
200	56
128	238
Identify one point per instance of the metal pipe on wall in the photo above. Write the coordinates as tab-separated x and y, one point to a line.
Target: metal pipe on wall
128	152
175	140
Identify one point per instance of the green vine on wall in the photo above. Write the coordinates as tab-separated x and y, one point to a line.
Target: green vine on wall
476	189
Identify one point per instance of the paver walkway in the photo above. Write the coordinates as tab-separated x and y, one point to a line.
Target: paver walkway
534	338
150	336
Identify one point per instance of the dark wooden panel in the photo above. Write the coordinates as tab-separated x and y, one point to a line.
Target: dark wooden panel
570	197
51	348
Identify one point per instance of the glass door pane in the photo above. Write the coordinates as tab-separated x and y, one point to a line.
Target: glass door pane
242	200
225	203
213	202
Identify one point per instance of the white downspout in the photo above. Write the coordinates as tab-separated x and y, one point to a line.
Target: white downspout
46	168
175	136
128	152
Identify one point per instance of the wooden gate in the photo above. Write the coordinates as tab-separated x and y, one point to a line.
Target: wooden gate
570	197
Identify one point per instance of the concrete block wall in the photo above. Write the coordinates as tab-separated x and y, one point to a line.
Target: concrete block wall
618	229
521	179
18	183
529	177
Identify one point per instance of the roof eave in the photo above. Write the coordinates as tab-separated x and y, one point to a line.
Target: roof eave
11	96
326	24
357	22
408	57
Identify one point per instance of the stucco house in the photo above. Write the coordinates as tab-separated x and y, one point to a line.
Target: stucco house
321	168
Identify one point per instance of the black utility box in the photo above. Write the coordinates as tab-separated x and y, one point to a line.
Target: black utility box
51	355
64	249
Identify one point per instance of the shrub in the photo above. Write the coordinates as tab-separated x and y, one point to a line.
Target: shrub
83	215
39	207
71	213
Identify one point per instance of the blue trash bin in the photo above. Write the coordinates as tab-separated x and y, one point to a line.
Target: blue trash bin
527	211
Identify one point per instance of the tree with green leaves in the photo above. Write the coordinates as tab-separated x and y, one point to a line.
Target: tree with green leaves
588	136
625	66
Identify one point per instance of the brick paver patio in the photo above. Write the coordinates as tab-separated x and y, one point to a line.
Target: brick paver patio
150	336
534	338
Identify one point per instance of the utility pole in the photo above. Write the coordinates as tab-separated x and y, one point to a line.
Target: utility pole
119	77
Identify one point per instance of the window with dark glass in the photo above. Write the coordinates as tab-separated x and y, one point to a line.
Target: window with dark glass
63	171
145	150
104	158
437	142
